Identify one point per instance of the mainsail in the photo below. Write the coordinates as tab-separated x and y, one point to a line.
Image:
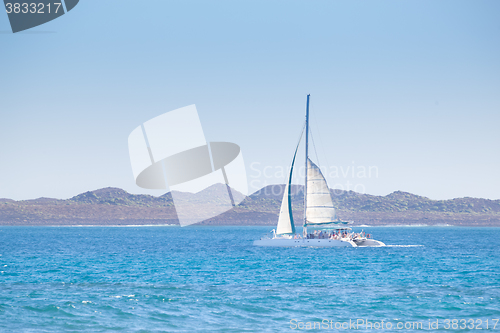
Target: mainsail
319	205
285	220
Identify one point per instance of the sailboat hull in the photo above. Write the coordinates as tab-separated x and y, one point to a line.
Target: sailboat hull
368	242
304	242
283	242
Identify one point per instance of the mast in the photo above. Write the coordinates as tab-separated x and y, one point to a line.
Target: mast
307	156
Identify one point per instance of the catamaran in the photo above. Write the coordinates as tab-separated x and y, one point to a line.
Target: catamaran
322	227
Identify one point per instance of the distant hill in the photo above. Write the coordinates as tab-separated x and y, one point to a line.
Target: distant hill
394	209
114	206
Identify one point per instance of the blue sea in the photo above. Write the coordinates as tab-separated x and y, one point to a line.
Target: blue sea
212	279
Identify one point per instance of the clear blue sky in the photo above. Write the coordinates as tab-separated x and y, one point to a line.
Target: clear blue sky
409	87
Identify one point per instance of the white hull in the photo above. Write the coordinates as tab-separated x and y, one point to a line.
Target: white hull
283	242
368	242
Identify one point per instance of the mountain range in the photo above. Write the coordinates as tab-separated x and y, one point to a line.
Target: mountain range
114	206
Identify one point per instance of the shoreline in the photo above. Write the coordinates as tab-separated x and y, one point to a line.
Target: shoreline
235	225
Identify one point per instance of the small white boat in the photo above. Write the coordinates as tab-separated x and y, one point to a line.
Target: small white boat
349	240
322	227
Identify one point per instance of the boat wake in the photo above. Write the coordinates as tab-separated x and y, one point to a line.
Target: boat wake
404	245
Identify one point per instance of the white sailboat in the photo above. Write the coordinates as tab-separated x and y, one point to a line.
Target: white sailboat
322	227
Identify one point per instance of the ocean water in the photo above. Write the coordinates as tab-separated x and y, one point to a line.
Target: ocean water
212	279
